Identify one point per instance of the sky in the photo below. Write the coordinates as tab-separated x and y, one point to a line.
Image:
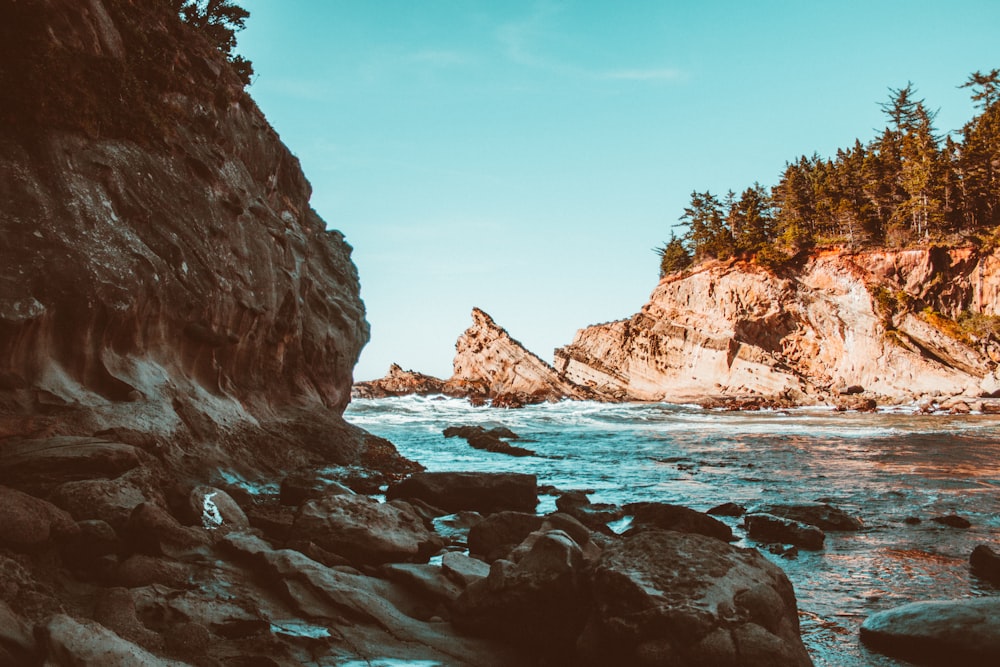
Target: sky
525	157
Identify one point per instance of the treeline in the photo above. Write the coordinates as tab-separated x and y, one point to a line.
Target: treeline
908	185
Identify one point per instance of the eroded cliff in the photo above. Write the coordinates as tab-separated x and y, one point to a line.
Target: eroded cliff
162	269
881	322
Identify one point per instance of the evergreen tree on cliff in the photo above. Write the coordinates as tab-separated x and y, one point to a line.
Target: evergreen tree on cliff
219	20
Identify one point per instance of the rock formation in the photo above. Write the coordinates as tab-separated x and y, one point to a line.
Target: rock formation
398	382
878	322
162	272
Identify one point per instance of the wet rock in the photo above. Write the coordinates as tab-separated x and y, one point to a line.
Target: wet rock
496	536
398	382
489	440
676	517
213	509
377	624
823	516
770	528
67	641
728	509
663	597
911	520
454	528
366	531
478	491
593	515
28	523
310	485
985	563
538	603
952	521
940	632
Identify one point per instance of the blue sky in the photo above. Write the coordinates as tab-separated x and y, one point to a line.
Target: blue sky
525	157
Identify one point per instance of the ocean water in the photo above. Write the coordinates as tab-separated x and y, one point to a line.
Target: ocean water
881	467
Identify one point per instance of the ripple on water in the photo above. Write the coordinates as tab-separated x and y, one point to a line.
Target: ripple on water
882	467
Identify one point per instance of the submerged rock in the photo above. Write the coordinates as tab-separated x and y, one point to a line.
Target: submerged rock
952	521
939	632
770	528
823	516
676	517
477	491
488	439
985	562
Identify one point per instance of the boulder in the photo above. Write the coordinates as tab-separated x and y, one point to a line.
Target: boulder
67	641
682	599
595	516
377	627
152	530
212	508
496	536
308	485
109	500
95	540
939	632
728	509
676	517
770	528
463	569
985	563
115	610
478	491
366	531
823	516
28	523
538	603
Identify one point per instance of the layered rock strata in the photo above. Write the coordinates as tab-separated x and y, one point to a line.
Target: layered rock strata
880	323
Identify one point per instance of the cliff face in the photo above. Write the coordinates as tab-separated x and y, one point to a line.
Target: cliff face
490	364
162	270
839	321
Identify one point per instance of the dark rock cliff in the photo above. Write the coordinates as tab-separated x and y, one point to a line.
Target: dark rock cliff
160	265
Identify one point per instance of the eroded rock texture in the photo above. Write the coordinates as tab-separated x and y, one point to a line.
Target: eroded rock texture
840	324
161	268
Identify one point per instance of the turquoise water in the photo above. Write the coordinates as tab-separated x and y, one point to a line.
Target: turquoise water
881	467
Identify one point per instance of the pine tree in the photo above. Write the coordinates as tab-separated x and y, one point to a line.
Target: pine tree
220	20
673	256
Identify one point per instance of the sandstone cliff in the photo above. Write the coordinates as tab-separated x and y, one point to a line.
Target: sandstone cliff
878	321
161	269
489	363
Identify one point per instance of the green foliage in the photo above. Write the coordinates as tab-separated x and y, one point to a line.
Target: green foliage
50	83
673	256
978	326
905	186
219	21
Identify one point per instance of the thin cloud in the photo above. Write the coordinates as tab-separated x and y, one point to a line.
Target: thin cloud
653	74
441	58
